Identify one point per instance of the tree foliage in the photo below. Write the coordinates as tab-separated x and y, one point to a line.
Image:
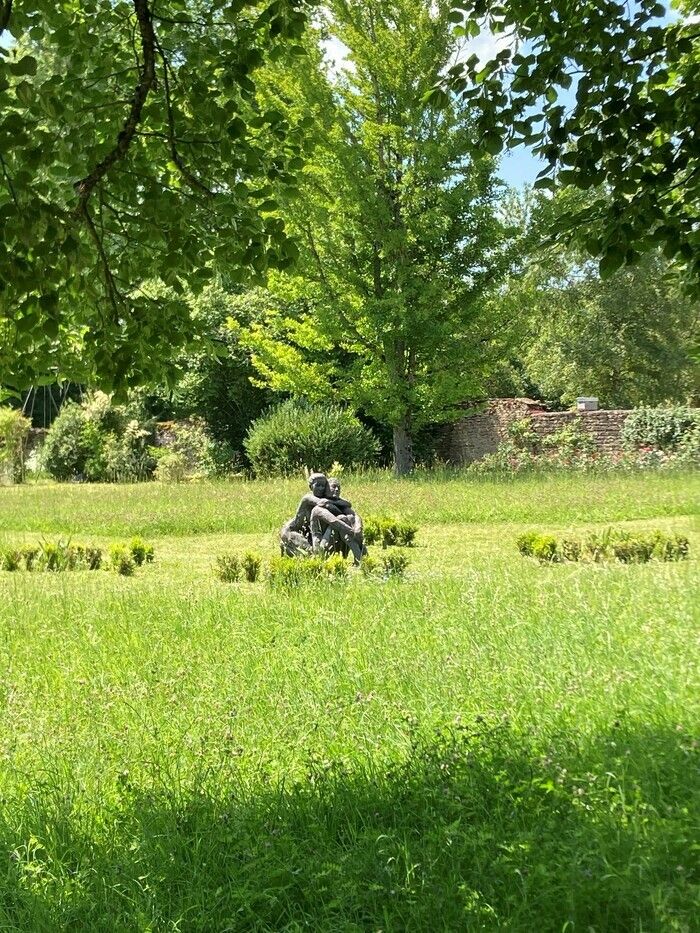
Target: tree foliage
630	339
606	93
213	374
399	231
133	150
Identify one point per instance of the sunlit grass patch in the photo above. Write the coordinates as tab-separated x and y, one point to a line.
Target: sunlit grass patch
487	743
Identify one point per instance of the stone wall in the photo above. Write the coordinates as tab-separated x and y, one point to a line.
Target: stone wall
605	427
485	426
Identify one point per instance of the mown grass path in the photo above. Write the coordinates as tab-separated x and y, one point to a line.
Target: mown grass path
489	744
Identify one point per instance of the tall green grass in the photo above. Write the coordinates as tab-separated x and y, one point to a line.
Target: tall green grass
442	498
489	744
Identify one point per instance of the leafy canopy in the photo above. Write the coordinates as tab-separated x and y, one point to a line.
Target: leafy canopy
133	151
606	93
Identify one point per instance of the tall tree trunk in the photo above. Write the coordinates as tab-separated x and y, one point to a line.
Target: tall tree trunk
403	448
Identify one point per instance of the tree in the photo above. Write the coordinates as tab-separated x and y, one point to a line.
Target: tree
213	376
399	232
132	151
630	339
607	95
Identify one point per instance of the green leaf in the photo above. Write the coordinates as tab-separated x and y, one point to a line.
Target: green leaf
613	259
25	66
493	143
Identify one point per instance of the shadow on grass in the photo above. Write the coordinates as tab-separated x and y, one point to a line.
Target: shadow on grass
475	831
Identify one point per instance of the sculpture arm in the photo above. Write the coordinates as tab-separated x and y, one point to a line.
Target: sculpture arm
303	514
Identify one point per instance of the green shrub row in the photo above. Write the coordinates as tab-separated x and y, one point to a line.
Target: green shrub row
626	547
56	556
294	571
389	532
98	441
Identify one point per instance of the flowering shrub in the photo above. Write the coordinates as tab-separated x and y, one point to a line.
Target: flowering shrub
189	452
99	442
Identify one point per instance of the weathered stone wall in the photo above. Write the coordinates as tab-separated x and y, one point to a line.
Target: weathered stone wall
486	426
605	427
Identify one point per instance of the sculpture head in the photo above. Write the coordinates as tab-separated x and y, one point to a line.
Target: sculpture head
318	484
333	487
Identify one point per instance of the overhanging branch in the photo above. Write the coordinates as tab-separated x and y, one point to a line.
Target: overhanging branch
5	11
86	185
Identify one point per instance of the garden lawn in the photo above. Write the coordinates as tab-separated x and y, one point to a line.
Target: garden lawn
487	744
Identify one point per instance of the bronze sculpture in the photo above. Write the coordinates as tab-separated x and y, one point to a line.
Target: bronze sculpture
324	523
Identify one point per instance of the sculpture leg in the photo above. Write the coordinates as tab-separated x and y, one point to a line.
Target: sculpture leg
293	543
322	521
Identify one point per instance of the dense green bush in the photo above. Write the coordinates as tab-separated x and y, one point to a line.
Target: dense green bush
294	435
370	565
662	428
10	559
14	433
141	552
612	544
394	563
99	442
545	547
121	560
389	532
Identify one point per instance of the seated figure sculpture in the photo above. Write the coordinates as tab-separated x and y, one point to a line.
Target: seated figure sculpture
323	522
335	526
295	537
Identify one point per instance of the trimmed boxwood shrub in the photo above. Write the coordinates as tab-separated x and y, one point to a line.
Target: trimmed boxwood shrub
228	568
626	547
250	565
295	435
389	532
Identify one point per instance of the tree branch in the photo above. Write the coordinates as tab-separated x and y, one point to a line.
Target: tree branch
177	158
5	11
112	289
9	181
86	185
